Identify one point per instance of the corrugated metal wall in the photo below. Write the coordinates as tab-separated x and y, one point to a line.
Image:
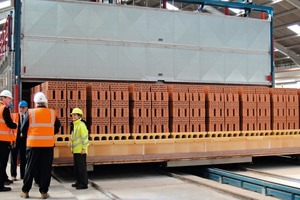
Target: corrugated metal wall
108	42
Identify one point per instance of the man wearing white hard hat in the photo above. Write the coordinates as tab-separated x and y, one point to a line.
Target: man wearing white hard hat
6	136
43	124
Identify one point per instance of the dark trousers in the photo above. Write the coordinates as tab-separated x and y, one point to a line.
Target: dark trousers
80	169
4	154
38	159
19	150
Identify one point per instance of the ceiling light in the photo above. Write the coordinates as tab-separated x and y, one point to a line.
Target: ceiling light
237	11
171	7
5	4
295	28
276	1
2	21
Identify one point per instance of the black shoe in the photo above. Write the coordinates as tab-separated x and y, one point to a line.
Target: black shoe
8	182
74	185
5	189
81	187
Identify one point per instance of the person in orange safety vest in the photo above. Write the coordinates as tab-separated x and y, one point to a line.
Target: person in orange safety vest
43	124
6	136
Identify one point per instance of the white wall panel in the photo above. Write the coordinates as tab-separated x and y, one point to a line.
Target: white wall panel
101	41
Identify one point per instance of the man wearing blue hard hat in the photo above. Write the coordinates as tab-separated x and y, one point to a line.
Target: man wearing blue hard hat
20	147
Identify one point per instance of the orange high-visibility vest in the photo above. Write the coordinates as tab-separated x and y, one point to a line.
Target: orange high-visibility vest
15	118
6	133
41	127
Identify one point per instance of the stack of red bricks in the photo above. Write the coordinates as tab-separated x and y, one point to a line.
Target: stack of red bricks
263	108
55	92
197	108
76	98
231	107
119	116
292	108
140	108
33	91
248	108
160	108
98	104
179	108
215	108
278	105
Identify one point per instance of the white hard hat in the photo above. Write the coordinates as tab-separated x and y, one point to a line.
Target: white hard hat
6	93
40	98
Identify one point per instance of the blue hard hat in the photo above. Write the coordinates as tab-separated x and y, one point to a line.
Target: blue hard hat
23	104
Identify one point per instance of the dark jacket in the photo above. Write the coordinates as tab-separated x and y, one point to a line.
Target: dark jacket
7	118
24	128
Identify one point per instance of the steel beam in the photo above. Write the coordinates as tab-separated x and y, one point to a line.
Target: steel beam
295	57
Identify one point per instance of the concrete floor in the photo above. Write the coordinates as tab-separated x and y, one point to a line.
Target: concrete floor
133	182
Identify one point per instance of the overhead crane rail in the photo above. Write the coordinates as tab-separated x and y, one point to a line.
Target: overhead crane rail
227	4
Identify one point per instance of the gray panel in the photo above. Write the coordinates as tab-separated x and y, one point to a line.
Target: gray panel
102	41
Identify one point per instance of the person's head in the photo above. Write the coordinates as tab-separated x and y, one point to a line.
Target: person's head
23	106
76	114
40	99
6	97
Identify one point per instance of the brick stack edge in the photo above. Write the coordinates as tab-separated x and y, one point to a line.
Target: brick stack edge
140	108
161	108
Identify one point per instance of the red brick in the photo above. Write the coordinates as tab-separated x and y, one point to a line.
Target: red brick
247	90
231	89
76	95
119	95
98	86
160	128
215	124
178	88
215	97
53	85
140	96
179	97
139	87
119	112
141	112
263	98
290	91
56	94
141	128
248	98
262	90
197	112
160	112
197	97
215	89
159	88
119	87
196	89
159	96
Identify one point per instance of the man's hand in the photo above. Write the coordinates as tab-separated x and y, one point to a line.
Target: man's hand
83	151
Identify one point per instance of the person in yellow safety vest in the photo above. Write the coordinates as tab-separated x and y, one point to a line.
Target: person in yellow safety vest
43	124
6	136
79	148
